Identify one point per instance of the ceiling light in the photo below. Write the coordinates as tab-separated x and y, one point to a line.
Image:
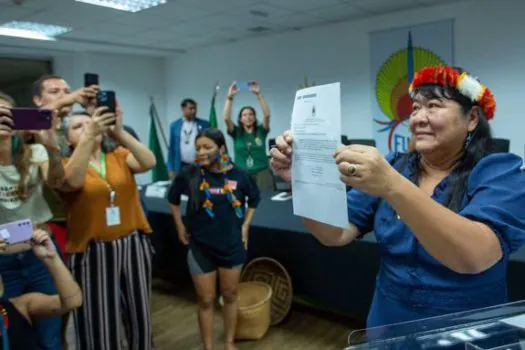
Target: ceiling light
125	5
31	30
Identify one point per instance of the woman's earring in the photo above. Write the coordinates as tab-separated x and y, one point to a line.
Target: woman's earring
468	140
225	159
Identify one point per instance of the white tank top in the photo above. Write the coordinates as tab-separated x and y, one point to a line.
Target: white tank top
34	207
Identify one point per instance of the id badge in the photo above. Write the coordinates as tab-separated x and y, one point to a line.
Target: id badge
112	216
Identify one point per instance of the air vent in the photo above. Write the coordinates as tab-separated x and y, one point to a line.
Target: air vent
259	29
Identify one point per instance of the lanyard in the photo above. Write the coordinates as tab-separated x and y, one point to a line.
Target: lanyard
102	171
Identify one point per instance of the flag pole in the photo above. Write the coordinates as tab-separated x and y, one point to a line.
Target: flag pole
159	124
215	89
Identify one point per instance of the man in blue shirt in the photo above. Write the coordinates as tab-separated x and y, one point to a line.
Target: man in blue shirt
182	137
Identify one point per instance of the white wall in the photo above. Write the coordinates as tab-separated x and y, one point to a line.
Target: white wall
488	42
133	78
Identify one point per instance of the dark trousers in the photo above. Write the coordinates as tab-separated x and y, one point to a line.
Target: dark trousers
115	277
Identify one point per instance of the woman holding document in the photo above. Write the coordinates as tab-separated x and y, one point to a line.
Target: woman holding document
449	177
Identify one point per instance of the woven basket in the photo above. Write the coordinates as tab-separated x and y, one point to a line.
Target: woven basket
270	271
253	317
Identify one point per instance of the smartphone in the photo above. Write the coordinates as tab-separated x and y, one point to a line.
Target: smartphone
31	119
90	79
107	99
17	231
243	85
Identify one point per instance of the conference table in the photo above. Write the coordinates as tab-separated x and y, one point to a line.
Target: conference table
340	279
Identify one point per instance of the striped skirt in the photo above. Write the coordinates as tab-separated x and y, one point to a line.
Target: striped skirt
115	277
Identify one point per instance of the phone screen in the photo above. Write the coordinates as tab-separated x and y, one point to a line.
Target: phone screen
243	85
31	119
90	79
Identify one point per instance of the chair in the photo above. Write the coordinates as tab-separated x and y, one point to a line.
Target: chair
500	145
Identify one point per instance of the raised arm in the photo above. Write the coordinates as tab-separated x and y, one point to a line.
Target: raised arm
82	96
141	158
331	236
492	208
232	91
255	88
37	305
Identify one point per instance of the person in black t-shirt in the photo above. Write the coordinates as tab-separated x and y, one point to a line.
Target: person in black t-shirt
215	228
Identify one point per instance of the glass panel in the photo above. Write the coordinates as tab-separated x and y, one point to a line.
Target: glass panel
494	328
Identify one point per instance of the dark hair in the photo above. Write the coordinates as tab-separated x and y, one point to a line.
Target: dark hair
194	176
479	146
36	89
188	101
7	98
239	117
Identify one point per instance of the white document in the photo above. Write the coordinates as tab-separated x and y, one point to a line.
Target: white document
318	192
154	191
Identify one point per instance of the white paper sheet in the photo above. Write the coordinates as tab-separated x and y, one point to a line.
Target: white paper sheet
318	192
154	191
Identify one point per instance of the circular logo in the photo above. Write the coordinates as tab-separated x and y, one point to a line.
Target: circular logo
392	83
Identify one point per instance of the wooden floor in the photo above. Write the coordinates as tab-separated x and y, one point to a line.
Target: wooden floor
175	326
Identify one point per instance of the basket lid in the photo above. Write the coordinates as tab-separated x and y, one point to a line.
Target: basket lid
270	271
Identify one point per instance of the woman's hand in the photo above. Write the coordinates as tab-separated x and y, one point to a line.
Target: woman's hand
281	156
363	167
6	120
233	89
101	121
184	237
42	245
255	88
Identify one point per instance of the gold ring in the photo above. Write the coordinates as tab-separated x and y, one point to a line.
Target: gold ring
351	169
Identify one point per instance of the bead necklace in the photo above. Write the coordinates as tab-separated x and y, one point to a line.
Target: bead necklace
226	190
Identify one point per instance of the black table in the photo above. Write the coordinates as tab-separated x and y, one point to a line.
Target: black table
339	278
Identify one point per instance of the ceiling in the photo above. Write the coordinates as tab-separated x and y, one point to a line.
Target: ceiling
182	25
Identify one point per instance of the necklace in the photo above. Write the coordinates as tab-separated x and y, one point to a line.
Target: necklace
187	133
226	190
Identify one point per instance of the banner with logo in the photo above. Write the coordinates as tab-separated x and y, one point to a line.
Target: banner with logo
395	55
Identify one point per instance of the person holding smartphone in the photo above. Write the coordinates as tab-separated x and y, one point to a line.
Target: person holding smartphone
249	136
108	244
216	229
24	171
22	312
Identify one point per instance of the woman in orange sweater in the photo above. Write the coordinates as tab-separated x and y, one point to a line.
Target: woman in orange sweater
110	256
